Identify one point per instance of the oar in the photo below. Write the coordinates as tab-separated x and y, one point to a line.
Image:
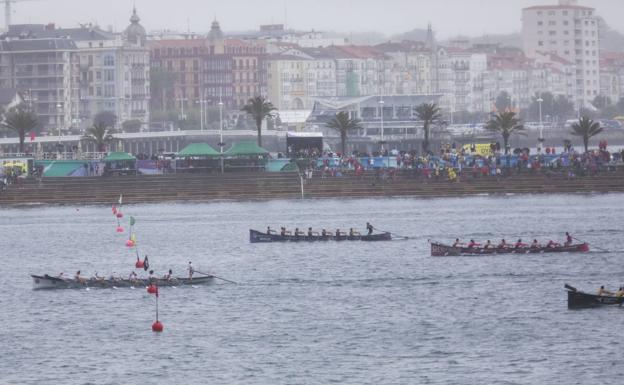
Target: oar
212	275
594	246
391	233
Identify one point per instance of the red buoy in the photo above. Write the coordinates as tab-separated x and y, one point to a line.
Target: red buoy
139	264
130	243
120	229
152	289
157	327
119	214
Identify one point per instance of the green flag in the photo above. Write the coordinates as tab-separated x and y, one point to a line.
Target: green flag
132	221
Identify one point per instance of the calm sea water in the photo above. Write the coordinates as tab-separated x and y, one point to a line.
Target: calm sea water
349	313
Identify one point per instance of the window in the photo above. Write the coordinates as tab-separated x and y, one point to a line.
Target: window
109	61
552	33
540	43
552	22
109	75
540	23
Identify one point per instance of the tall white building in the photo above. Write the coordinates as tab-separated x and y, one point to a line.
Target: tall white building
570	31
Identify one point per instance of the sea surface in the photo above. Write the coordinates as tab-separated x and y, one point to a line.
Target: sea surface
321	313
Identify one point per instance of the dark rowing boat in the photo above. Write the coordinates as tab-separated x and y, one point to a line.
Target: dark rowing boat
442	250
260	237
48	282
578	299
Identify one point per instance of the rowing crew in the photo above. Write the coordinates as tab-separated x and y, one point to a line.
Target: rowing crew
604	292
517	245
323	232
132	277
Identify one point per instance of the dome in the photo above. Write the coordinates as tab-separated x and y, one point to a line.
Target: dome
135	33
215	31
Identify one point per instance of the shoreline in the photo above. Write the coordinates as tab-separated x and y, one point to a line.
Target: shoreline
287	186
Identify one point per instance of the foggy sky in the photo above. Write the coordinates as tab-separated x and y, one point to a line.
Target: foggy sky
448	17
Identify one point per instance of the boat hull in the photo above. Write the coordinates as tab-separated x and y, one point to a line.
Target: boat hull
580	300
260	237
46	282
441	250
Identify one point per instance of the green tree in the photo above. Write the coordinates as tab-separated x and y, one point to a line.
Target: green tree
258	108
133	125
342	123
21	120
505	123
430	114
586	128
161	83
101	135
601	102
108	118
503	102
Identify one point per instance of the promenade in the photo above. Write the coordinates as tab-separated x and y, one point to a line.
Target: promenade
266	186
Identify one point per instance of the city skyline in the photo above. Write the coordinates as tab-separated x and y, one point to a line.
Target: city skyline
302	15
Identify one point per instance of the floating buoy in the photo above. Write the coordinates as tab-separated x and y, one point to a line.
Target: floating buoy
120	215
139	264
152	289
120	229
130	243
157	327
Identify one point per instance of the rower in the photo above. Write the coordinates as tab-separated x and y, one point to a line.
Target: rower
472	244
551	244
78	278
369	228
535	244
269	231
519	244
150	277
310	232
338	233
324	233
603	291
133	276
457	243
282	231
168	276
569	239
297	232
620	292
488	245
502	244
190	271
353	233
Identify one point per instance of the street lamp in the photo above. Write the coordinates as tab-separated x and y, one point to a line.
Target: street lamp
221	144
381	142
540	140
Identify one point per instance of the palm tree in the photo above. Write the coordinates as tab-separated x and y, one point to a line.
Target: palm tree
101	135
586	128
343	124
429	113
505	123
21	120
259	109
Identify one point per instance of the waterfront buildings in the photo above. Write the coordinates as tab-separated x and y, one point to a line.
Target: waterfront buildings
570	31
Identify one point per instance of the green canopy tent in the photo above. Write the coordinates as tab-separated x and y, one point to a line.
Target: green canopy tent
247	156
119	163
197	156
198	150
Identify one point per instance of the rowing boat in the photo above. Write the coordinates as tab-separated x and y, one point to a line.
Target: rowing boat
442	250
261	237
578	299
48	282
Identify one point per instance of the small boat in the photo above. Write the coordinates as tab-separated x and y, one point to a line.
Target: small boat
578	299
262	237
48	282
442	250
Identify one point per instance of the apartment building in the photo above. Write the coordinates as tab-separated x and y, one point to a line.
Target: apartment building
249	74
570	31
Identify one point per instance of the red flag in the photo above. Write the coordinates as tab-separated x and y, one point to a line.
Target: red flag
32	136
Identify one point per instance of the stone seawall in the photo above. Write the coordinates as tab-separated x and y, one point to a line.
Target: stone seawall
265	186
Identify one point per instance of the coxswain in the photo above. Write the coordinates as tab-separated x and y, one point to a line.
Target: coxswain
310	232
296	232
569	239
535	244
551	244
150	277
369	228
338	233
354	233
603	291
502	244
488	245
457	243
190	270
